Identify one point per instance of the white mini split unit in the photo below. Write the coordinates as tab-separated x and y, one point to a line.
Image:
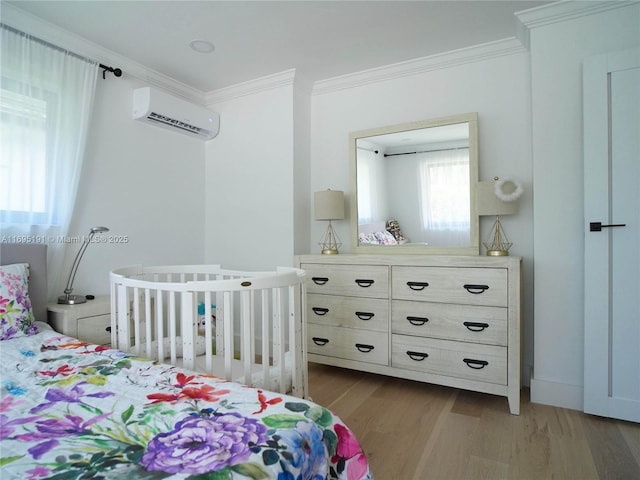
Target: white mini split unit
164	110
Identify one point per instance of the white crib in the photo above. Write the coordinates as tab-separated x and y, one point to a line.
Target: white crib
257	337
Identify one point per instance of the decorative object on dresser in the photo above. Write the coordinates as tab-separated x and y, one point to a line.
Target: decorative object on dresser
89	321
449	320
68	298
498	197
329	205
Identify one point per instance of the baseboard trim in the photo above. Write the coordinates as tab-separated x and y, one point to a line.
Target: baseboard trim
557	394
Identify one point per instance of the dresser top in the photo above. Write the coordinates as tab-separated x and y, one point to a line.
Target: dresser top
417	260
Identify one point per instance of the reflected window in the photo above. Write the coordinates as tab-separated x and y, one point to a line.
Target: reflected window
444	182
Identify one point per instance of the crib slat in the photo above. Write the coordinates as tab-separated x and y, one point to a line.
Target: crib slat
159	324
266	380
279	336
122	324
246	334
187	316
228	335
172	327
149	322
208	337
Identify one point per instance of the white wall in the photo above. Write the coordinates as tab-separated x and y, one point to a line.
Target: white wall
557	52
497	88
141	181
249	177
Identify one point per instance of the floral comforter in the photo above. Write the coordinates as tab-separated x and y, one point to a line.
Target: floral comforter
72	410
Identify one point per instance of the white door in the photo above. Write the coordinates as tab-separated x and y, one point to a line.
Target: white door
612	235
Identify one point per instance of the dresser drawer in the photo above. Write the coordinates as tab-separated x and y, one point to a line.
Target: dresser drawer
468	323
469	286
369	281
353	312
348	343
486	363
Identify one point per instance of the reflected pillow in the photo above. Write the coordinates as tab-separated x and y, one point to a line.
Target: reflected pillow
377	238
16	314
385	238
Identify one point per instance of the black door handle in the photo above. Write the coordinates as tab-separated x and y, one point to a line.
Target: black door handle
598	226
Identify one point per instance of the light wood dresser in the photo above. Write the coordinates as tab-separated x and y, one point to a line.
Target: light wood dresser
448	320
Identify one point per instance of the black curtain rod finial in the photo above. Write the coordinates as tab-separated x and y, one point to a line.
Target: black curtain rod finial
116	71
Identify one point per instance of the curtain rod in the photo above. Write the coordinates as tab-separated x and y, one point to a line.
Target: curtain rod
425	151
116	71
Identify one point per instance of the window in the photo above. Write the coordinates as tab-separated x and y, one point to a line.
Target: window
23	169
46	95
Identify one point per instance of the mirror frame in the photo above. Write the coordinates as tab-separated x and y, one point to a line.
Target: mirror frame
474	245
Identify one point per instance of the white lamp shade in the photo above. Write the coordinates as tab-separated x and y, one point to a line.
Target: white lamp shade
488	203
329	205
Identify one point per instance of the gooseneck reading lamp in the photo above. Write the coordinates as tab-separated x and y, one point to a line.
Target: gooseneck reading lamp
68	298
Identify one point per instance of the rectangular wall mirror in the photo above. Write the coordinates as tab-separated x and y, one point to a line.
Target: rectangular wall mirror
414	187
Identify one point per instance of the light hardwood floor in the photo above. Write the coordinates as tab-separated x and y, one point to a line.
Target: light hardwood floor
411	430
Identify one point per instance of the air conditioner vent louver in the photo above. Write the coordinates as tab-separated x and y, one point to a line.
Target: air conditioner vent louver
166	111
156	117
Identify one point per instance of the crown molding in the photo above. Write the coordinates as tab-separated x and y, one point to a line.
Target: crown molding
250	87
32	25
498	48
563	11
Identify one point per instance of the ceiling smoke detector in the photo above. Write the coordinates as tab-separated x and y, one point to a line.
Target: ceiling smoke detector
202	46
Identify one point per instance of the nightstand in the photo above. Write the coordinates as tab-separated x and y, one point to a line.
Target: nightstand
90	322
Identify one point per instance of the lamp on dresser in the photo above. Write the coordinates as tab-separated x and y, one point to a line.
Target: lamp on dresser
329	205
497	198
68	298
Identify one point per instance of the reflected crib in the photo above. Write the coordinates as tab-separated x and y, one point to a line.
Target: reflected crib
246	327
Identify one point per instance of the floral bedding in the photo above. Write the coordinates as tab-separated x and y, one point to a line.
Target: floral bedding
72	410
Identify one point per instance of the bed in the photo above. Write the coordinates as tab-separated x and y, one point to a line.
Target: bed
71	410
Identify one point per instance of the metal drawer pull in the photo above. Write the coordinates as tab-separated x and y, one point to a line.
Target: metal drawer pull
320	341
365	315
417	285
476	326
364	283
364	348
320	280
320	311
475	289
475	364
417	321
417	356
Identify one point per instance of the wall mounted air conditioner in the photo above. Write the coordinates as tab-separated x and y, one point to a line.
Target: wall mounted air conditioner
158	108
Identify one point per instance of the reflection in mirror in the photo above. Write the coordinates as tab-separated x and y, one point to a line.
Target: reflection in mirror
414	186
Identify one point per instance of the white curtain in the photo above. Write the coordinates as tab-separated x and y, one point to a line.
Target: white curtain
46	97
444	178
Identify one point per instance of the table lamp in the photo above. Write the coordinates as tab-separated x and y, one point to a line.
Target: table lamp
497	197
329	205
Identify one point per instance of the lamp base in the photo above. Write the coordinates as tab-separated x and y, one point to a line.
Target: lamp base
71	299
330	242
497	253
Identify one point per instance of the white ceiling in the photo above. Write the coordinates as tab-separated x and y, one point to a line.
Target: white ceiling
320	39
